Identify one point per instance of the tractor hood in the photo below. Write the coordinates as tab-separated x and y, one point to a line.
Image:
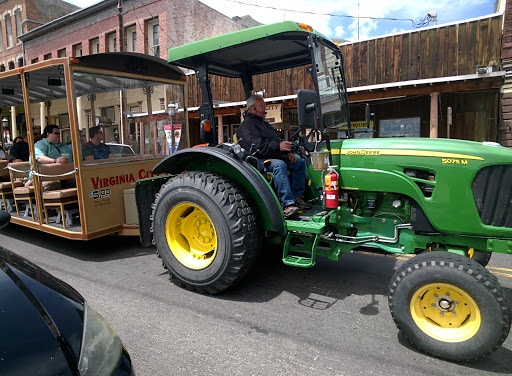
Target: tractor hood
424	147
461	186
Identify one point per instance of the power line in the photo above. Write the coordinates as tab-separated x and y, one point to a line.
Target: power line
430	17
413	23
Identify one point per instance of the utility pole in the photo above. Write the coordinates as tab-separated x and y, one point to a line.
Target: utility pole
121	31
123	120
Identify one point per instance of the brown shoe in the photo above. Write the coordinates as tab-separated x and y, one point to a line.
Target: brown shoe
290	210
302	204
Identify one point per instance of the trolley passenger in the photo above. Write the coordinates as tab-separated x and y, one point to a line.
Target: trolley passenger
19	151
95	148
51	150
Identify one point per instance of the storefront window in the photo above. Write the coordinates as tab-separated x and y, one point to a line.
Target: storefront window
403	127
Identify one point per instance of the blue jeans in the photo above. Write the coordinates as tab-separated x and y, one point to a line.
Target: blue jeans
287	189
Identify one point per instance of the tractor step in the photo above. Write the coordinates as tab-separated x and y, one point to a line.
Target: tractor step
300	243
299	261
310	226
302	240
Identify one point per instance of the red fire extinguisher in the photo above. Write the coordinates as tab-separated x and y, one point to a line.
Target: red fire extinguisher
331	188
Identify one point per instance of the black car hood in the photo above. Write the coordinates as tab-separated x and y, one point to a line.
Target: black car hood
41	319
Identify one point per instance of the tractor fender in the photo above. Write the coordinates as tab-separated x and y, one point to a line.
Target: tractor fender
223	162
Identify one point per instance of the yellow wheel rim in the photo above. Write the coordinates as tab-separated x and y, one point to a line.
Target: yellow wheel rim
445	312
191	236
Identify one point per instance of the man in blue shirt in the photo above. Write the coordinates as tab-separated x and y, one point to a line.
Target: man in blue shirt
96	149
51	150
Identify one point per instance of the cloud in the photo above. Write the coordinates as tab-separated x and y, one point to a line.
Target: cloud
362	29
339	31
396	30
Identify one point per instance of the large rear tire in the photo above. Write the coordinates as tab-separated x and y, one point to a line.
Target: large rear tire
449	306
205	231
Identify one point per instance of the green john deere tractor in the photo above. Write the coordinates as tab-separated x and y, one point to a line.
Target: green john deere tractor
448	201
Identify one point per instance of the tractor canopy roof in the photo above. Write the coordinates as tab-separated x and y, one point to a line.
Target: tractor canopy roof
251	51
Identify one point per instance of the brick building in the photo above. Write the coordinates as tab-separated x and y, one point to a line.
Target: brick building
19	17
150	27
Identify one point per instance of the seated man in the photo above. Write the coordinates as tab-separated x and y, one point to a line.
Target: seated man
19	151
256	134
51	150
96	149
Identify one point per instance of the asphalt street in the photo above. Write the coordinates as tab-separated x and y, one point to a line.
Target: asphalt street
332	319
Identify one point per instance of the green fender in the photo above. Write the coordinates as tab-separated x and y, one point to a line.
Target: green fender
240	172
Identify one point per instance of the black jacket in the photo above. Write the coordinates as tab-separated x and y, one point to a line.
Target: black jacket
19	151
254	130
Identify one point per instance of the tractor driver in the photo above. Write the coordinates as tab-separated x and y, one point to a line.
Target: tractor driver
258	136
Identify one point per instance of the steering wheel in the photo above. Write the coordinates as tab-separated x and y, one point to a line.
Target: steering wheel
297	135
300	144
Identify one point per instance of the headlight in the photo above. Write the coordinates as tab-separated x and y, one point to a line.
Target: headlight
236	148
101	347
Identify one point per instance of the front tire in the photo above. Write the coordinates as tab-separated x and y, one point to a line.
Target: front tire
205	231
482	257
449	306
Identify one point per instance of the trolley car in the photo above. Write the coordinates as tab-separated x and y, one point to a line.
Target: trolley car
123	93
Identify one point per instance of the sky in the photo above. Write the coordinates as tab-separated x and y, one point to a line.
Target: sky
330	16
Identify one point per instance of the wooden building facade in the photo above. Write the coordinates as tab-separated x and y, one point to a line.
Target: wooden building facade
506	96
442	81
